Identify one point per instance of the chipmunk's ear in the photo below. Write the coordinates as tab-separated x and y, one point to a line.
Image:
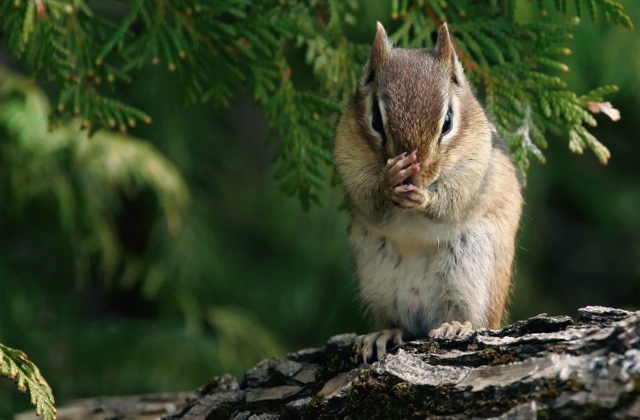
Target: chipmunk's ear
380	53
381	50
446	54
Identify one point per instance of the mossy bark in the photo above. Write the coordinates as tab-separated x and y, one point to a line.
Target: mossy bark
546	367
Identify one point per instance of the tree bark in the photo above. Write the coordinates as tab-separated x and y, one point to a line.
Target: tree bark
548	367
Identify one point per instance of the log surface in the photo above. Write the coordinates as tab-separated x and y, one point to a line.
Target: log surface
547	367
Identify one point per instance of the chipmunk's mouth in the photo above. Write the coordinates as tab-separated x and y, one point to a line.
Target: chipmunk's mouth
408	181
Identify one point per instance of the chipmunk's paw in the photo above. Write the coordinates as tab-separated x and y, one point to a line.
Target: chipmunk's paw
398	186
371	347
455	329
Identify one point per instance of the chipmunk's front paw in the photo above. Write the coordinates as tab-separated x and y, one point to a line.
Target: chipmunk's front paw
370	347
398	186
455	329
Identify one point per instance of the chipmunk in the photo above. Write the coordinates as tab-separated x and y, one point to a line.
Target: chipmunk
434	197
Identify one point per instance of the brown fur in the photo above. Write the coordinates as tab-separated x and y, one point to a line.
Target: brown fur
462	213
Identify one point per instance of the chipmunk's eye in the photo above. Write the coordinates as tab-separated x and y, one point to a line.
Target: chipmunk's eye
376	119
446	125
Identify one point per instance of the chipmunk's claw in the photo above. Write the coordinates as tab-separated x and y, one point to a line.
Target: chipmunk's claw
453	330
371	347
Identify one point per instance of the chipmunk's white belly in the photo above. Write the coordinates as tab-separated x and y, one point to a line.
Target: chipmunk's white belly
412	278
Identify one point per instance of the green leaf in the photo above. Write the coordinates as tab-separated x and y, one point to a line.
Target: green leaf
15	365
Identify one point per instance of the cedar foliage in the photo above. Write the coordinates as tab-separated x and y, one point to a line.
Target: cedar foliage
216	48
84	183
15	365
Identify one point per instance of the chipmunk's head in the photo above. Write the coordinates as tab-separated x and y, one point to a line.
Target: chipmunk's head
415	100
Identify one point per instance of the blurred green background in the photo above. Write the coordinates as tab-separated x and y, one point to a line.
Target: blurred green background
267	277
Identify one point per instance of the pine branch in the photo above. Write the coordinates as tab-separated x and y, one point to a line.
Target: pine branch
15	365
217	48
612	11
85	176
303	133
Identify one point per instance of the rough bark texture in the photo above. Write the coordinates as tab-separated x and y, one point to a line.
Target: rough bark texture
547	367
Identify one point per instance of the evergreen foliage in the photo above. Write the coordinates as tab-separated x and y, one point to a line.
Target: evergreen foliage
15	365
85	176
216	48
84	185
